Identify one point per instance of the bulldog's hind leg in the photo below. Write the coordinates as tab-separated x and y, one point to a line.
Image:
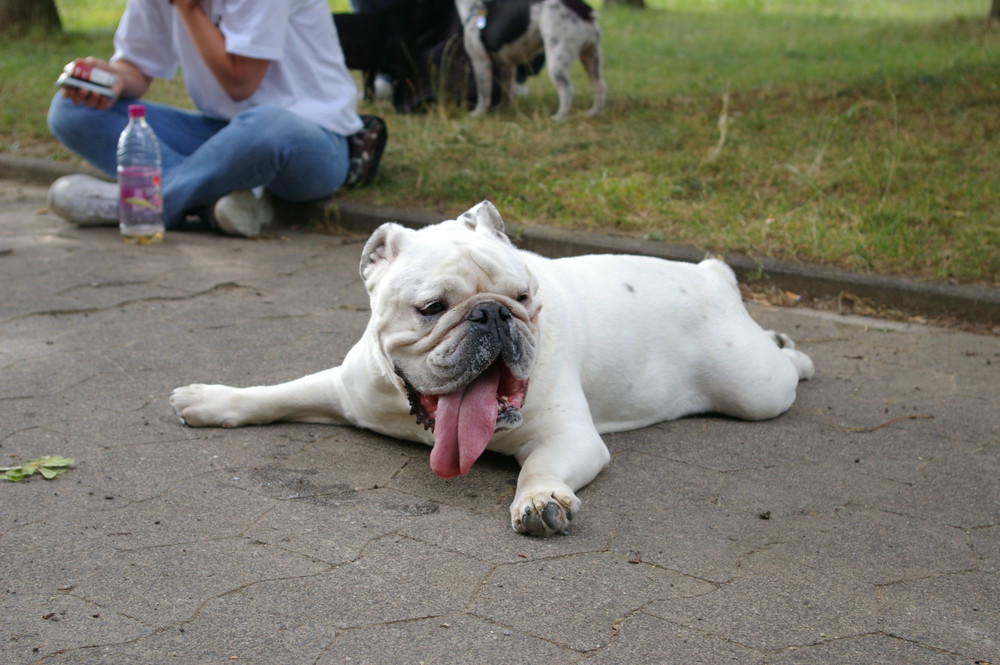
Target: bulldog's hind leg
551	471
803	363
757	375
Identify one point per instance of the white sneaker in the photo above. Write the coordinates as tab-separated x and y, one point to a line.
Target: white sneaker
242	214
85	200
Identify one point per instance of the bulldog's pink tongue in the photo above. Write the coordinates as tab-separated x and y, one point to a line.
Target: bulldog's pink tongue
463	425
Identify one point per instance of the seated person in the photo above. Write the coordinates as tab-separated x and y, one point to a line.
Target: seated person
276	111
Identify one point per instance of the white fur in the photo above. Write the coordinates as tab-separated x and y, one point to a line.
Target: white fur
623	342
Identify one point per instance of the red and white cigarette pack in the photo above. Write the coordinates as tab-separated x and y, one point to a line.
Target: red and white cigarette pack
79	74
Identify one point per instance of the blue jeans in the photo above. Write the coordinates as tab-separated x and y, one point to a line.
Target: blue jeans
206	158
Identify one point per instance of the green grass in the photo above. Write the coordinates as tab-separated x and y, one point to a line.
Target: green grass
843	132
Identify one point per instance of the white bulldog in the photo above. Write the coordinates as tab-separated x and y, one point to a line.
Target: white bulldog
475	345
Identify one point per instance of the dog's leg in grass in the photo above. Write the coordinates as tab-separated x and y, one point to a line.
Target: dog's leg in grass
482	69
558	59
590	56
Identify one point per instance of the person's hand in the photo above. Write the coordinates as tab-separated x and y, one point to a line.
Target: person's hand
93	99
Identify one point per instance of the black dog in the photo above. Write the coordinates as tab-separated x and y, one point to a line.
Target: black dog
418	43
398	41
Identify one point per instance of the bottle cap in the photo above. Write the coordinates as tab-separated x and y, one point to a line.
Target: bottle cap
136	111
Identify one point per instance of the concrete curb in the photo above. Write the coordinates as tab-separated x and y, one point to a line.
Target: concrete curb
973	304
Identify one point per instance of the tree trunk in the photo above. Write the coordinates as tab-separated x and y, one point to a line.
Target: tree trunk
995	11
19	16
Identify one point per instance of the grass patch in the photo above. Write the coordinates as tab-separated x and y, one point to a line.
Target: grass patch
839	132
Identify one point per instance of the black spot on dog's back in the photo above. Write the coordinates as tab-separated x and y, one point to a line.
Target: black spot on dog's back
506	21
580	8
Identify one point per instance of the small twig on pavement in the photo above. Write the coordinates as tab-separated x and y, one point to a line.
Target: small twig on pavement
915	416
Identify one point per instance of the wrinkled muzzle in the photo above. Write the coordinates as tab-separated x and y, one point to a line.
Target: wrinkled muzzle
491	368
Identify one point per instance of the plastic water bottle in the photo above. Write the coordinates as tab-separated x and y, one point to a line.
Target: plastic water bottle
140	204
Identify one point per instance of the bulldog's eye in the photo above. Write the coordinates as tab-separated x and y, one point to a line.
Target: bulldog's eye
432	308
523	298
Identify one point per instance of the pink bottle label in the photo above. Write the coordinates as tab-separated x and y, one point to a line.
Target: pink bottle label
139	187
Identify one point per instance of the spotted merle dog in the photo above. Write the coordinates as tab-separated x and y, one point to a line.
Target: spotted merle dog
508	33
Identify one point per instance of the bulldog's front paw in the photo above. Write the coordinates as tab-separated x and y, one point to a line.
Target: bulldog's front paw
543	513
199	405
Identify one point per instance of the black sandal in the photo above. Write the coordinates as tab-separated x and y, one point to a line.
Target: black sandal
366	149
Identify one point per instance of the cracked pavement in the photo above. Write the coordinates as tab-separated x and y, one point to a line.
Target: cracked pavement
863	526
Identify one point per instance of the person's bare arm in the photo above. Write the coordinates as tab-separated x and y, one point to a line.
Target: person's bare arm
238	75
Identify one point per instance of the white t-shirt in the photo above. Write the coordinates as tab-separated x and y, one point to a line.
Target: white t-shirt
307	74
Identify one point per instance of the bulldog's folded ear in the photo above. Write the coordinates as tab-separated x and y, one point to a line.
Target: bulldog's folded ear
484	217
382	248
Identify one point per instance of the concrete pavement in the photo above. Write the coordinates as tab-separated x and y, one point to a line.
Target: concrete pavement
861	527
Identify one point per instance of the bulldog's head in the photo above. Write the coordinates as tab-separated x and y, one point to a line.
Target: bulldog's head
455	325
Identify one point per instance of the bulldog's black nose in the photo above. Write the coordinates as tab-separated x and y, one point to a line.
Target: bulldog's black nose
485	312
